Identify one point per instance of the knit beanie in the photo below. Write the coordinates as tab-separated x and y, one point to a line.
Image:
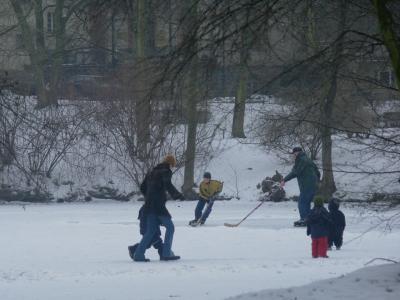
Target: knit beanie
207	175
170	159
334	204
318	201
296	150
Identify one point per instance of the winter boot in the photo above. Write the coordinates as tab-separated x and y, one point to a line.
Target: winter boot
193	222
141	259
172	257
300	223
132	250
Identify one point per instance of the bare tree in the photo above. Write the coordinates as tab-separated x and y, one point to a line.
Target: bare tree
37	47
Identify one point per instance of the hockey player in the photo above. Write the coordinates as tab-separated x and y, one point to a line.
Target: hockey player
209	190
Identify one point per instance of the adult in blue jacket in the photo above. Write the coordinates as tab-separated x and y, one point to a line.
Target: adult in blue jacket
308	176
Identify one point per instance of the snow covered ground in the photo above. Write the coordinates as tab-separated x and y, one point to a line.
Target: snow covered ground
79	251
379	282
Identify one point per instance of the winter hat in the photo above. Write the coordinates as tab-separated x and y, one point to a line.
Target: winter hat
296	149
207	175
170	159
318	201
334	204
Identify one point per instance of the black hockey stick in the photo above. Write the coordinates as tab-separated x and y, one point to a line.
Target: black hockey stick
237	224
253	210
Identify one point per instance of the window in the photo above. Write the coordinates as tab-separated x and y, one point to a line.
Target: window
50	22
70	59
386	77
19	41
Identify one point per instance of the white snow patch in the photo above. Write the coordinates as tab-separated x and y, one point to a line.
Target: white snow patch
378	282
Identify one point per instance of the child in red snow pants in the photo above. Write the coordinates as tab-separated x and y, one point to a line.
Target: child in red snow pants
319	247
318	225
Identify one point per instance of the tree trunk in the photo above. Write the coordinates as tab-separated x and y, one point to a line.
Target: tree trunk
241	92
37	55
240	105
190	153
191	108
130	23
39	62
98	26
328	186
391	40
143	82
141	29
34	43
58	54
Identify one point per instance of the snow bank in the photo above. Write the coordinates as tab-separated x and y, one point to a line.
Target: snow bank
377	282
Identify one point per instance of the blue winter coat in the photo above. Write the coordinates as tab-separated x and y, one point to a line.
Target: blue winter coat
318	222
154	187
338	219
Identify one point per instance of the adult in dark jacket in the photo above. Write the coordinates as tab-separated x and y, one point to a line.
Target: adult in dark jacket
155	185
338	224
308	176
318	226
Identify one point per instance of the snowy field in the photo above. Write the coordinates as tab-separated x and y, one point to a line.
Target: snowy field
378	282
79	251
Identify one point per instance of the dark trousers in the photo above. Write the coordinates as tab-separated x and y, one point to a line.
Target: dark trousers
319	247
336	238
304	204
198	213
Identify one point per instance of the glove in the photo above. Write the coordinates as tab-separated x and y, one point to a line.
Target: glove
215	196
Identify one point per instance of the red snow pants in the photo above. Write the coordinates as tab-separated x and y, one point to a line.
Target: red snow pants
319	247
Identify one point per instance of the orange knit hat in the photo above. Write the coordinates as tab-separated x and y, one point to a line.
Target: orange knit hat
170	159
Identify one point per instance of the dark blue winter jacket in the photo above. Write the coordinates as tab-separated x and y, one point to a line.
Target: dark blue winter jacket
318	222
155	186
337	217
